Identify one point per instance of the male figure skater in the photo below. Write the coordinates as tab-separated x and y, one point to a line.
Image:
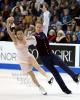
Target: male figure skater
49	59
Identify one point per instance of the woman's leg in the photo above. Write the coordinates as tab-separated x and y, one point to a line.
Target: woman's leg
37	66
31	73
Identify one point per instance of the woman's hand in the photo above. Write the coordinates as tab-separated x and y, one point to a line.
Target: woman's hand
10	21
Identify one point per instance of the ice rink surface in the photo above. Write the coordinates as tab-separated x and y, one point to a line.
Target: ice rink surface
14	86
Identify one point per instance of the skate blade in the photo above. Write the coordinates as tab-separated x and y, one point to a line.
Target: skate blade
45	93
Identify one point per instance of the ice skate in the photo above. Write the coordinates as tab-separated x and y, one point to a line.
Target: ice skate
42	90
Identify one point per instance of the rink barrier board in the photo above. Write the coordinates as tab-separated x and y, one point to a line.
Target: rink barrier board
69	53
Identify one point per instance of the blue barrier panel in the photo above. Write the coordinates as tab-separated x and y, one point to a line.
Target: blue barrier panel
17	67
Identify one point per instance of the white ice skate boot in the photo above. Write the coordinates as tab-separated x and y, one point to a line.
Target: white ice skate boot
42	90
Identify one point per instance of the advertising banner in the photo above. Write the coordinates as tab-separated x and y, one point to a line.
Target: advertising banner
66	53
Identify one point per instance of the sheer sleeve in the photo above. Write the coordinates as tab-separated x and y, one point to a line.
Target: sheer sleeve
31	40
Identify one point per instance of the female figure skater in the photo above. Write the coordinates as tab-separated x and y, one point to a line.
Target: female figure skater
25	59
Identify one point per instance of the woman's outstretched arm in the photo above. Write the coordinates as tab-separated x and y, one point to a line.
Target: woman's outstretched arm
11	33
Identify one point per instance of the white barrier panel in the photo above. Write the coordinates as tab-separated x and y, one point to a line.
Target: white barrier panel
7	52
69	53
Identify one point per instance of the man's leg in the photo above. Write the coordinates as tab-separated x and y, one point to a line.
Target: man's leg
58	61
49	65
